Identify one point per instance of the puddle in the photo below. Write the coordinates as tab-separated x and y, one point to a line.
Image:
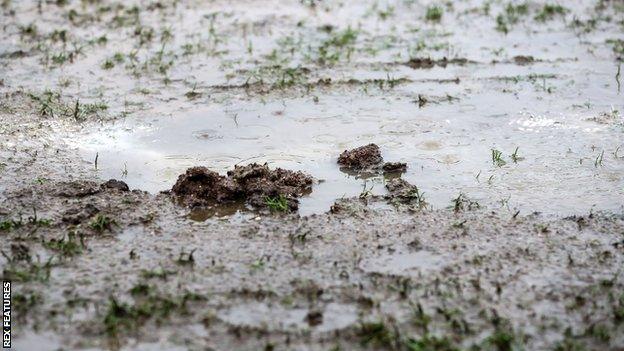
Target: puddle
447	149
404	263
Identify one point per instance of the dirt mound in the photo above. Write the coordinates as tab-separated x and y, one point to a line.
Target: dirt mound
368	158
361	157
400	191
258	185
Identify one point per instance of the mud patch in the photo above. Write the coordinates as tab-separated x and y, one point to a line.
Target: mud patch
255	184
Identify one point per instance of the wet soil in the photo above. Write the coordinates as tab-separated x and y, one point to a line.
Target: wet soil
359	278
505	233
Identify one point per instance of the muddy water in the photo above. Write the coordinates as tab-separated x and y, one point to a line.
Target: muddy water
443	119
447	145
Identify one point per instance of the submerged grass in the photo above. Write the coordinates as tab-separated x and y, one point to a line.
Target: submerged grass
497	158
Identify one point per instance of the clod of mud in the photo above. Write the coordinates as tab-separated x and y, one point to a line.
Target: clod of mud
425	63
368	158
360	158
116	184
314	318
401	191
256	184
394	167
199	184
523	60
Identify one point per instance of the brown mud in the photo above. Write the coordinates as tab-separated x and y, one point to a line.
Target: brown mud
368	158
505	233
256	184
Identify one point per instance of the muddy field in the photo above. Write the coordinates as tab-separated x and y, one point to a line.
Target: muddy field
310	175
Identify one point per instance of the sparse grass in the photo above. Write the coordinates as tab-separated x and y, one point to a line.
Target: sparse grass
277	76
430	343
420	319
338	46
550	11
101	223
511	16
50	104
66	246
108	64
376	334
159	273
258	264
462	203
618	47
124	317
599	332
515	157
434	13
569	344
366	191
23	303
34	220
618	310
416	197
599	159
497	158
10	224
33	272
502	340
278	203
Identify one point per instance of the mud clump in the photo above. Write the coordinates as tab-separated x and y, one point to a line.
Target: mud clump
116	184
394	167
199	184
523	60
401	191
368	158
361	158
258	185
